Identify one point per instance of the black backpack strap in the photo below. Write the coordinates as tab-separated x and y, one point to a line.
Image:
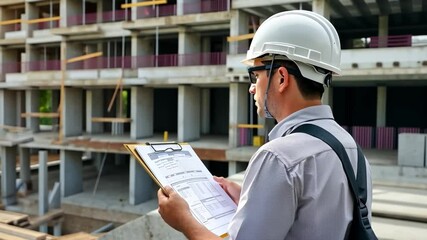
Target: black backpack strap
338	148
361	227
361	176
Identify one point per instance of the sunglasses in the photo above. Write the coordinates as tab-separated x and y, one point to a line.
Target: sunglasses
253	78
251	70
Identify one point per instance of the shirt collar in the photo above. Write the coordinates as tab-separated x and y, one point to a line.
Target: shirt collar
303	115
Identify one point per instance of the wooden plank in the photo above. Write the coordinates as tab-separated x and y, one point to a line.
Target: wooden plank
84	57
8	22
250	126
40	114
22	232
50	216
143	4
240	37
111	119
39	20
119	83
12	217
10	237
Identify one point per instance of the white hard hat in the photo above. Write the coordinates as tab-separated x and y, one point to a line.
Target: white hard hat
304	37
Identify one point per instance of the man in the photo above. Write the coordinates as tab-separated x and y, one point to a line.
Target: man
295	186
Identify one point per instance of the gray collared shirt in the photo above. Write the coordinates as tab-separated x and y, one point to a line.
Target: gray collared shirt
295	186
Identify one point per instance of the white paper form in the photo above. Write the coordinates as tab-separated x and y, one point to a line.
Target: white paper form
185	172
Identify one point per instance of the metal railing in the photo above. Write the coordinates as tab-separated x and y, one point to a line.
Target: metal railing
92	18
156	11
47	25
12	27
126	62
202	6
48	65
205	6
390	41
13	67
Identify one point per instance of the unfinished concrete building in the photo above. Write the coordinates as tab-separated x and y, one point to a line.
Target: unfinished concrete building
123	71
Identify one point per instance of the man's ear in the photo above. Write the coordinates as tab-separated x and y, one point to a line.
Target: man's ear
284	78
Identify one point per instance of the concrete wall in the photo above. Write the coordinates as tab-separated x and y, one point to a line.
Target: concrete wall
412	150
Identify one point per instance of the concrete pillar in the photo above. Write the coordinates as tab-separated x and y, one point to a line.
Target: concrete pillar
382	30
381	106
20	107
74	50
55	104
140	46
100	10
7	107
32	55
141	186
94	108
322	7
188	113
238	110
8	175
31	12
142	112
188	5
188	43
71	172
134	11
72	112
68	9
25	169
32	104
205	111
239	25
43	188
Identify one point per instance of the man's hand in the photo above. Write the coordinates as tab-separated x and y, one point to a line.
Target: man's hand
173	208
231	188
176	212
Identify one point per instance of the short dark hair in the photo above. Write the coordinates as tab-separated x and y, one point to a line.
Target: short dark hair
309	89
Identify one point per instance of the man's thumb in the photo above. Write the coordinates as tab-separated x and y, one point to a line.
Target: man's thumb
167	190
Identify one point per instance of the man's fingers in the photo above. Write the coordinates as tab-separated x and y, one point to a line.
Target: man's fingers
218	179
167	190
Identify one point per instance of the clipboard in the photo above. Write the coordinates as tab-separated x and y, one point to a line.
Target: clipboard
157	154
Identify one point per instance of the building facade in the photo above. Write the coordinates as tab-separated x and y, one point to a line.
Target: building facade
86	76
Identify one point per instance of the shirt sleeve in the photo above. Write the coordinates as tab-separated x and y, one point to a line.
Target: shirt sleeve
268	202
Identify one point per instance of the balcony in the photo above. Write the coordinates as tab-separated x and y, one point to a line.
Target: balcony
13	67
156	11
48	65
92	18
171	60
205	6
47	25
126	62
390	41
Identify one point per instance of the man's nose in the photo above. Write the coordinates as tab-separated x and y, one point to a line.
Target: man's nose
252	89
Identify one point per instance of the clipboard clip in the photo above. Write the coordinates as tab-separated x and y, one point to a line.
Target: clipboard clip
164	146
